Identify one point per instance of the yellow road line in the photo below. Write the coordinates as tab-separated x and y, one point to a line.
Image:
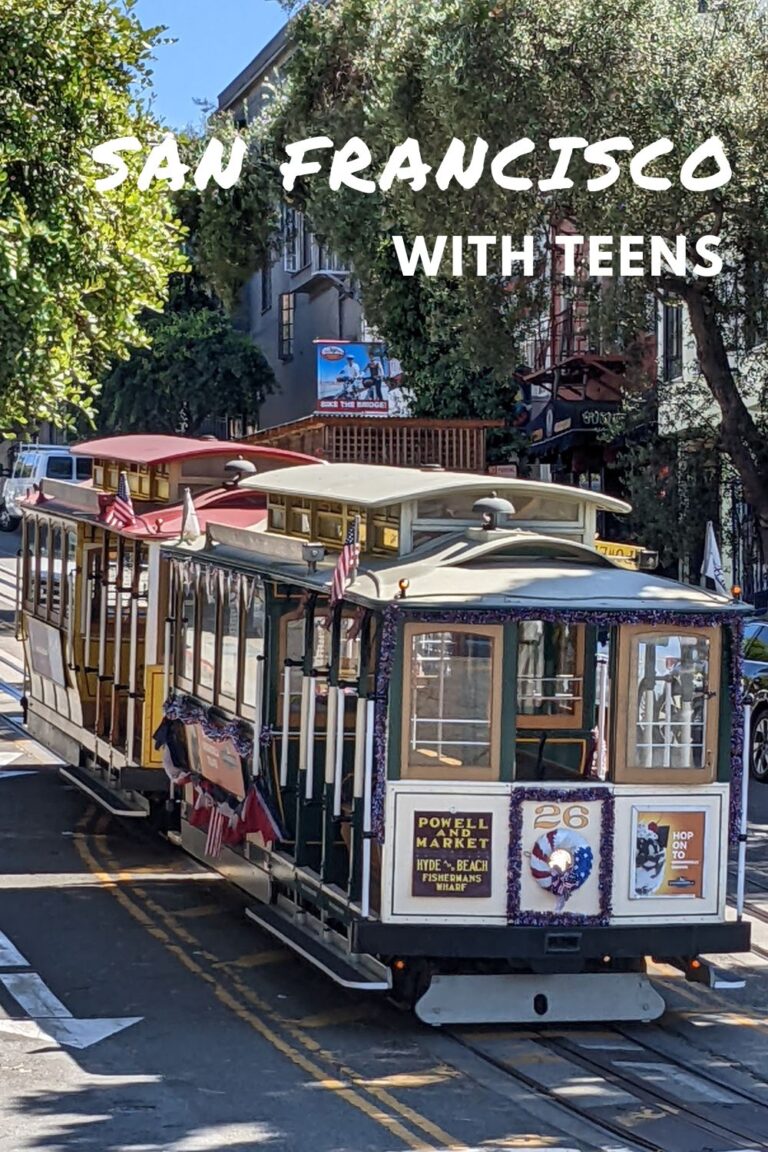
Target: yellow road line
256	959
197	913
446	1142
297	1058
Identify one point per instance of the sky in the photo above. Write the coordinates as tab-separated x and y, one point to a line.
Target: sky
215	39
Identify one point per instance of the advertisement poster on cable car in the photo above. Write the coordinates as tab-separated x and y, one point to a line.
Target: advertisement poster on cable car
668	853
363	379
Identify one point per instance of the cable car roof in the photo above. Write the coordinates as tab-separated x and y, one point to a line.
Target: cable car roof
473	570
377	485
149	450
228	507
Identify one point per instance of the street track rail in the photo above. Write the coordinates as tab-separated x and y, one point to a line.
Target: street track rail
642	1117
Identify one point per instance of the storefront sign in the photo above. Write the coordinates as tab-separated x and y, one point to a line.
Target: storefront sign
451	854
668	853
359	378
217	760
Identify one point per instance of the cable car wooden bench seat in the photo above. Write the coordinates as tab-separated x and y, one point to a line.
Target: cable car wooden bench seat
495	773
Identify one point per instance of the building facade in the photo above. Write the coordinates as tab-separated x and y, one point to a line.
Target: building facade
306	294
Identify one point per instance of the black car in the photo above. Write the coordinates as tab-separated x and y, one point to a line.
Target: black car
756	683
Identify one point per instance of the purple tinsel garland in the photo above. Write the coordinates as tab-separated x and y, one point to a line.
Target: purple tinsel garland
573	795
599	618
188	711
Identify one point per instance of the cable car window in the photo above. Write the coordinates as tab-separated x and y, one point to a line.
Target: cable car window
451	696
57	572
185	658
253	633
30	566
230	644
207	660
42	568
83	468
672	677
69	562
549	674
349	647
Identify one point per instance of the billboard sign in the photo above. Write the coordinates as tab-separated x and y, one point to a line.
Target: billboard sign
357	378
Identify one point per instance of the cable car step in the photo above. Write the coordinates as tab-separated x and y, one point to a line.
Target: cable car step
550	999
98	792
304	935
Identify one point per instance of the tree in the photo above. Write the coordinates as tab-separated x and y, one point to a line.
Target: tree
191	365
76	265
432	70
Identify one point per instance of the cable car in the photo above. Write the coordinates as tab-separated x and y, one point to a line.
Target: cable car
94	595
452	750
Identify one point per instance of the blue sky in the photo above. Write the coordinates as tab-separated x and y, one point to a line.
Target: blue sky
214	41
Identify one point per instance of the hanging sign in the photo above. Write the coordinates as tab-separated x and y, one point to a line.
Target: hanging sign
216	760
452	854
44	651
667	853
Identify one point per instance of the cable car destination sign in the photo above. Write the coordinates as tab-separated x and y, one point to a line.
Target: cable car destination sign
451	854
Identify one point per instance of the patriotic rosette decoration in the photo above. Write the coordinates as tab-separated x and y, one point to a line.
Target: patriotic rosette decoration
561	861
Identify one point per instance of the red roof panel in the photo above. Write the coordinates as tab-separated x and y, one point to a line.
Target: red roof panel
162	449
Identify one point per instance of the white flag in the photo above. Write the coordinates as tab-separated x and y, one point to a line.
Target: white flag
712	565
190	525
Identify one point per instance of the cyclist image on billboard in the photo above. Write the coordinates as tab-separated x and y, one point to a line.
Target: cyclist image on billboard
357	377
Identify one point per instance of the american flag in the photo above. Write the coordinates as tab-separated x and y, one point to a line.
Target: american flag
119	512
347	562
213	840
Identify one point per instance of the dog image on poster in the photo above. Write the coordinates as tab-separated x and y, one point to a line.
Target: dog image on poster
650	857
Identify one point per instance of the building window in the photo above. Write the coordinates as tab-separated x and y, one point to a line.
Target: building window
266	287
673	341
297	240
289	239
285	328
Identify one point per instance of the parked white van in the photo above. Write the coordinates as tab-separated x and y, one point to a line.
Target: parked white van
34	463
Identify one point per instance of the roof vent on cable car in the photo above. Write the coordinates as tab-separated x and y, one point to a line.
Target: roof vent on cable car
492	509
237	470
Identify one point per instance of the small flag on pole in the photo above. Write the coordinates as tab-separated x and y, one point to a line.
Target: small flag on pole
190	525
118	512
712	565
214	839
347	563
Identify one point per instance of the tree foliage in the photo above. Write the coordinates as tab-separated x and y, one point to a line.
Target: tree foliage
503	69
192	364
76	266
232	231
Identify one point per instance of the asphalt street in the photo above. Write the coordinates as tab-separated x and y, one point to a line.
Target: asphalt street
214	1037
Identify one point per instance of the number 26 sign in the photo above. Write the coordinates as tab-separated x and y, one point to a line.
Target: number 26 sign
548	816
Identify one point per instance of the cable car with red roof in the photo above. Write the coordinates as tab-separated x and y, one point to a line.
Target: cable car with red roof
94	597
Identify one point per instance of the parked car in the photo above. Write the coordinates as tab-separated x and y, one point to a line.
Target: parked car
756	683
34	463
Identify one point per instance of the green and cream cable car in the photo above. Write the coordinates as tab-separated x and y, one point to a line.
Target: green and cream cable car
493	777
